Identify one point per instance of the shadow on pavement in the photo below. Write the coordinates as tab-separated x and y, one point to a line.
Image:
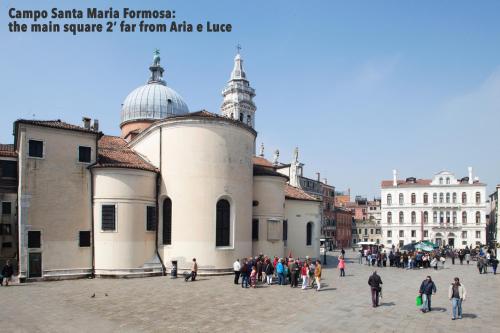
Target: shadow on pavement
469	315
387	304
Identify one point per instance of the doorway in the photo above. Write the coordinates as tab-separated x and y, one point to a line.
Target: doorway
451	242
438	242
35	265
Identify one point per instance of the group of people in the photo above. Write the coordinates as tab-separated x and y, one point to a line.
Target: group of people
284	271
427	259
456	294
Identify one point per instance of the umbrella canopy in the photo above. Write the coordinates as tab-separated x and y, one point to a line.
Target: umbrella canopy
429	243
424	247
409	247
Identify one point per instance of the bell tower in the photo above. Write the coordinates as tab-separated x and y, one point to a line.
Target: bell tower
238	95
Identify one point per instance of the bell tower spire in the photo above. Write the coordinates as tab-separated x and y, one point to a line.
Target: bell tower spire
238	95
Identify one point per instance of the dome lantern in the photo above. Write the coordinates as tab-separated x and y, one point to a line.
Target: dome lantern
150	102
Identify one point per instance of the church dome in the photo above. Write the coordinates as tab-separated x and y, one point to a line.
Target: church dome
154	100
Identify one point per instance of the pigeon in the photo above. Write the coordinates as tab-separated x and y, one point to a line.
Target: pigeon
93	295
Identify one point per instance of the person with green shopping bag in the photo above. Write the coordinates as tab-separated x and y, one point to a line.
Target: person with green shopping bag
427	288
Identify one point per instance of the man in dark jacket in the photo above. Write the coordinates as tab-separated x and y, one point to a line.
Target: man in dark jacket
427	288
7	272
374	282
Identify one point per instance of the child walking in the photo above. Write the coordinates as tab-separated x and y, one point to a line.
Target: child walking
341	266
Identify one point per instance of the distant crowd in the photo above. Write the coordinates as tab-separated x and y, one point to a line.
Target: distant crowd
280	271
428	259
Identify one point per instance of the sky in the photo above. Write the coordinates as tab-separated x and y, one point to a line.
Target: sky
361	87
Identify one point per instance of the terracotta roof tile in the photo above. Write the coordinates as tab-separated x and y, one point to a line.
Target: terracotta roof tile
7	150
257	160
55	124
114	153
259	170
295	193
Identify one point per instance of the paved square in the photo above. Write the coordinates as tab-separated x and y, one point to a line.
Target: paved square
215	304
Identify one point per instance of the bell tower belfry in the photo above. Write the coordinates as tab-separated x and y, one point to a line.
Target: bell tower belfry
238	95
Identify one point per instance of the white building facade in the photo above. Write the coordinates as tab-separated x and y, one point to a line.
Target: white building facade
445	210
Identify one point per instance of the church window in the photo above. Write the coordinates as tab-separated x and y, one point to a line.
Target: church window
167	221
222	223
309	228
478	197
255	229
6	208
150	218
35	148
108	217
249	120
84	239
84	154
34	239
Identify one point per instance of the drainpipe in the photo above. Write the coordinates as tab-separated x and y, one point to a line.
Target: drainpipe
158	180
92	246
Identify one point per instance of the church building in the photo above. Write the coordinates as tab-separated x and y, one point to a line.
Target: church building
175	185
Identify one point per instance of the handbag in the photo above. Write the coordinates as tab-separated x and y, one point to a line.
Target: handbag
418	300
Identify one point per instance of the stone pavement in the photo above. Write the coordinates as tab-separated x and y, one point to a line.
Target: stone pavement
215	304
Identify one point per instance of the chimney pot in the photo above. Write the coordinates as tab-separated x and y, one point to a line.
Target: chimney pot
86	122
96	125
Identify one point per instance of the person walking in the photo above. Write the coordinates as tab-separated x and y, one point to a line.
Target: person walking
304	273
244	274
237	271
7	272
294	273
280	271
341	266
467	256
269	269
360	256
253	277
342	252
317	274
194	270
494	264
375	282
480	265
427	288
456	294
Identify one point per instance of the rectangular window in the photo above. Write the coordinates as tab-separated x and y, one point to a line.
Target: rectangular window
478	234
413	233
366	231
6	208
377	231
389	233
108	217
371	231
464	234
8	169
84	239
285	230
426	233
84	154
35	148
255	229
150	218
34	239
401	233
5	229
7	244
